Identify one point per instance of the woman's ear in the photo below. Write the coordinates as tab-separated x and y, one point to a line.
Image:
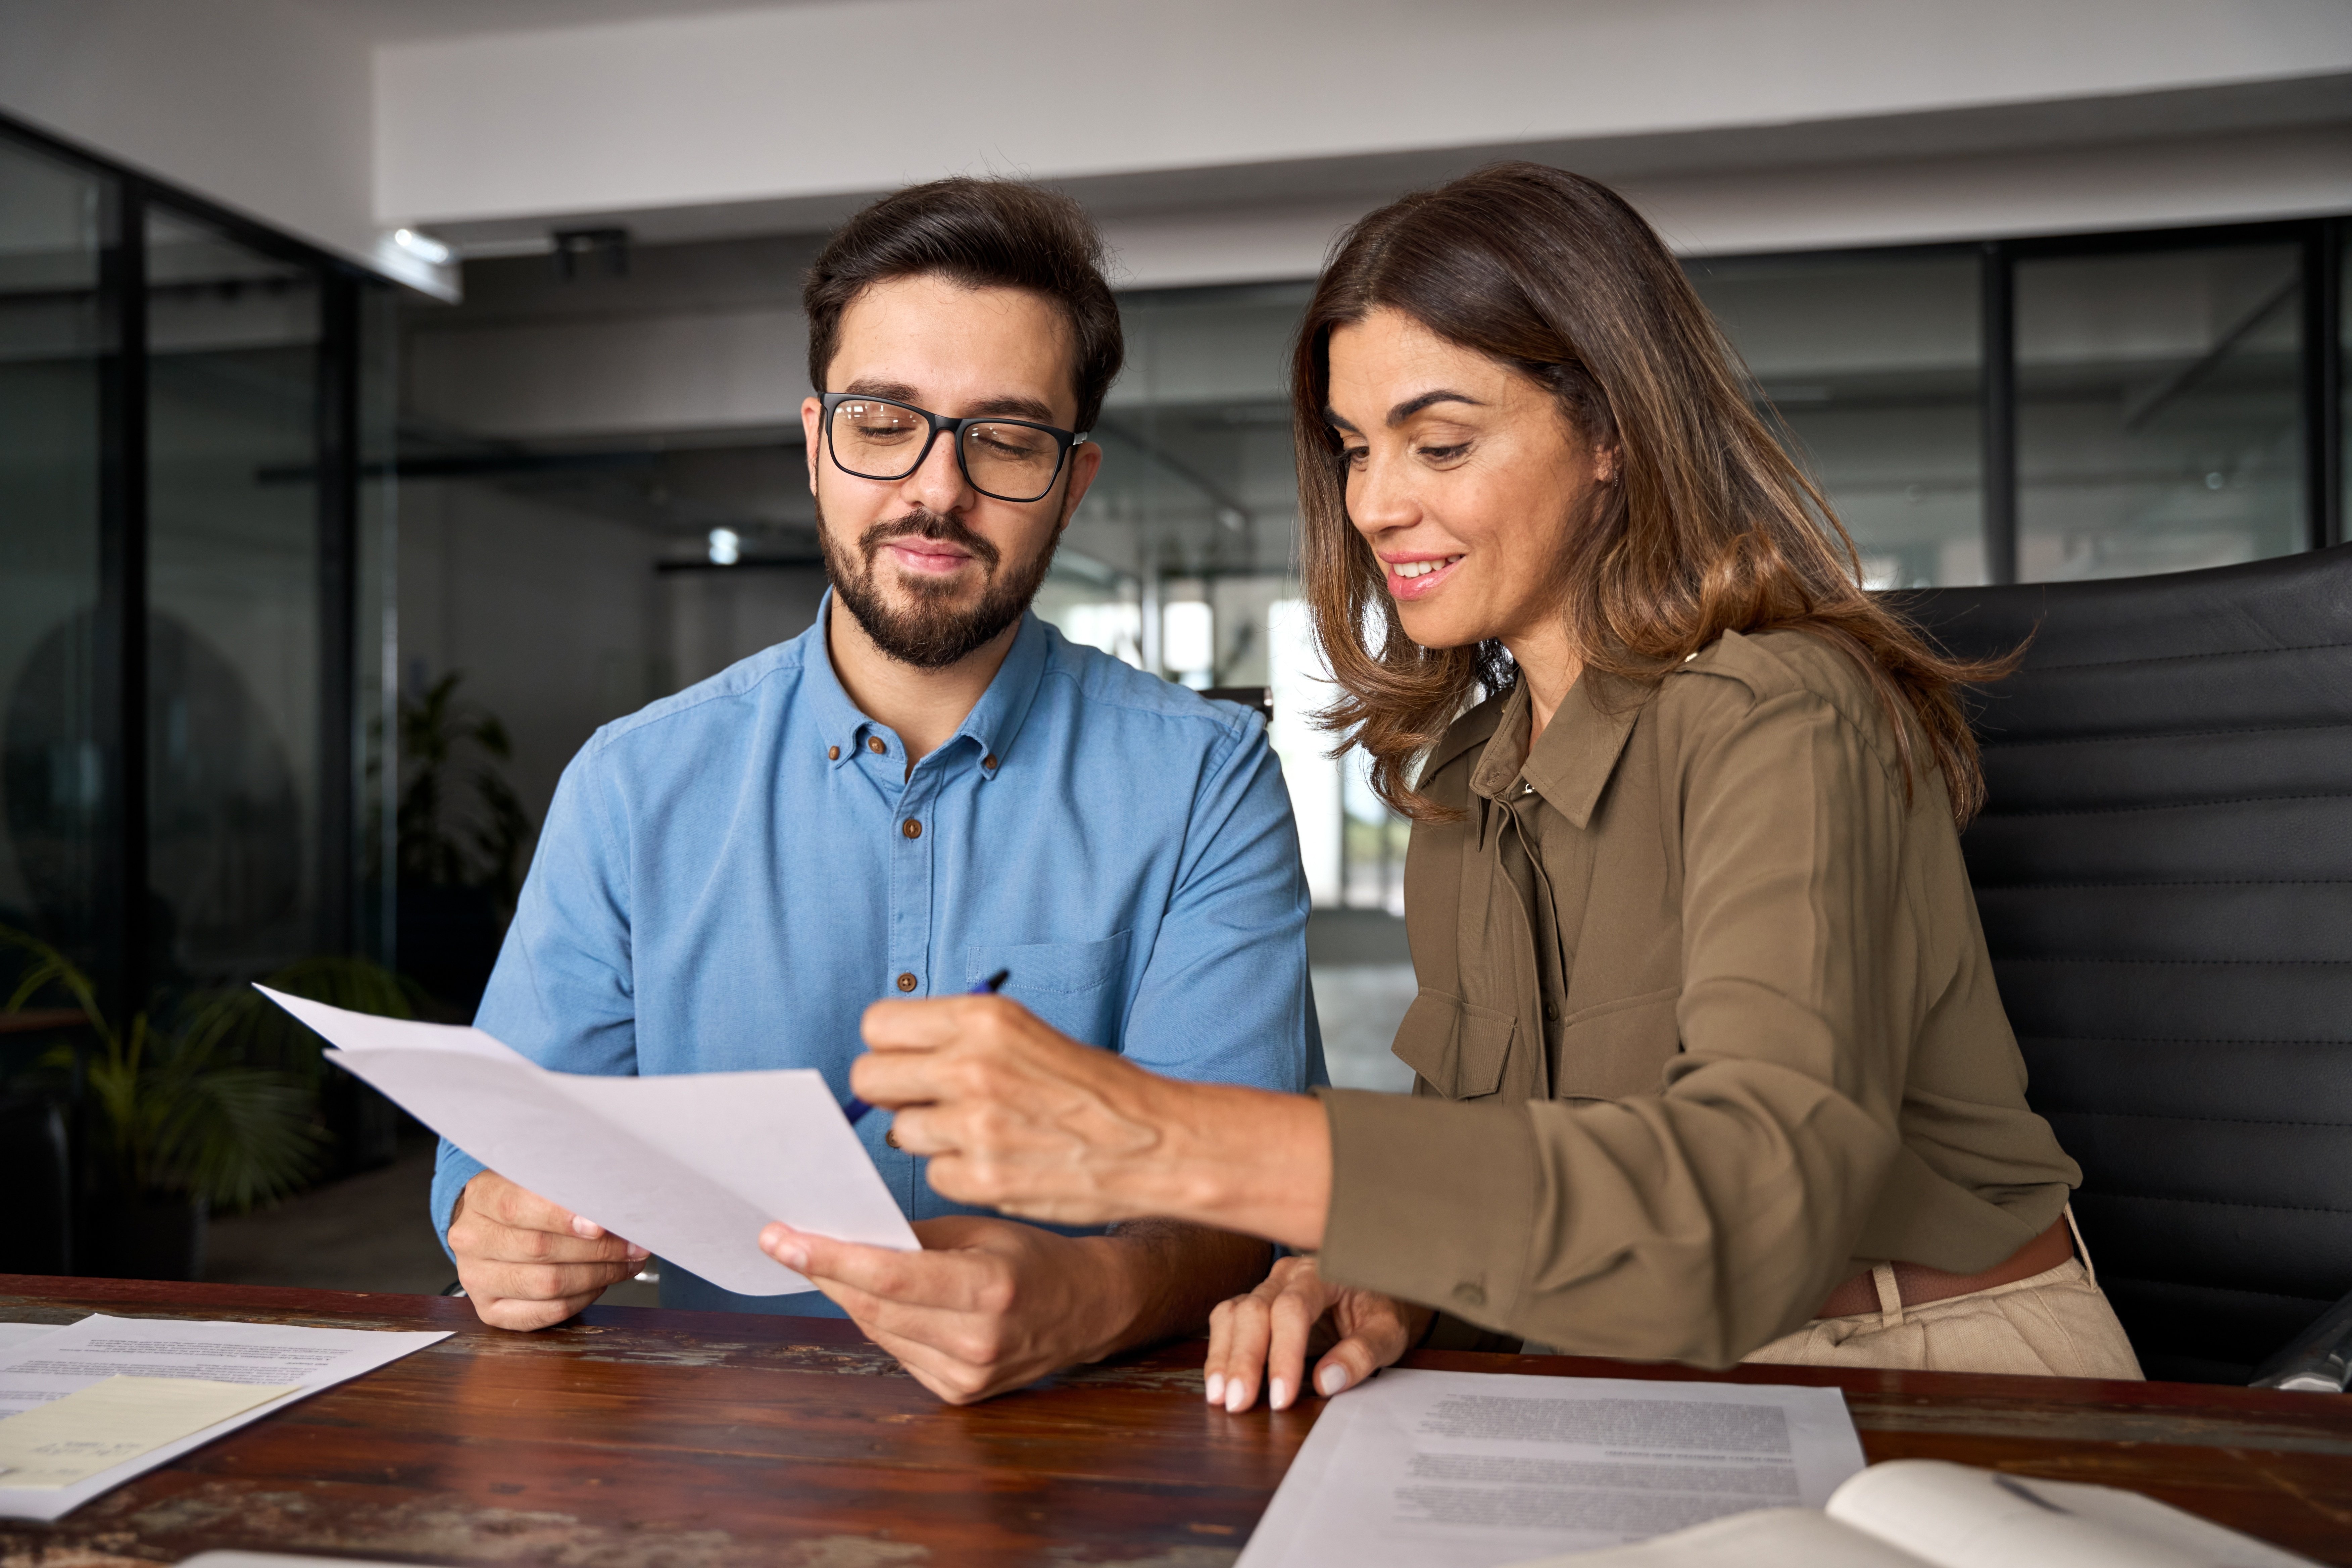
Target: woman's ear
1604	465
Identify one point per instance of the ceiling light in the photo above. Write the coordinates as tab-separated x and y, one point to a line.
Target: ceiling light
424	247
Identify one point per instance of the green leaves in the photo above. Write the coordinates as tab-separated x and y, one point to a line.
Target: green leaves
460	824
222	1103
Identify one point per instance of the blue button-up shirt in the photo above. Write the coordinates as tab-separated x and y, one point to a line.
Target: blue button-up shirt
728	877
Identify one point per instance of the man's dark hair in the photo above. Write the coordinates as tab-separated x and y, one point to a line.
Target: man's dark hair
982	233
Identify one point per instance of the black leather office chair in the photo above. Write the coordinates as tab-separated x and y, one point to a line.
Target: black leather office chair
2165	873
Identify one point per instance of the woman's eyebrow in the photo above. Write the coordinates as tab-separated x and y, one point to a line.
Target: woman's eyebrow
1413	406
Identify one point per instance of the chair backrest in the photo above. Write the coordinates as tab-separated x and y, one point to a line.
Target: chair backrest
2165	873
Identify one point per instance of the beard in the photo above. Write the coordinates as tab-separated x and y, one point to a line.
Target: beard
931	631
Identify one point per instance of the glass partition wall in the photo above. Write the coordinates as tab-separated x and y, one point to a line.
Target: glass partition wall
54	663
185	726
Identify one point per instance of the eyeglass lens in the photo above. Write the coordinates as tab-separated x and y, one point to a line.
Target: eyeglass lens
883	441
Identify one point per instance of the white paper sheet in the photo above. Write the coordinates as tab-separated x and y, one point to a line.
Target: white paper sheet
1470	1470
690	1166
75	1357
14	1334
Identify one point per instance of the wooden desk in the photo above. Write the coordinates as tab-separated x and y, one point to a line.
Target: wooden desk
637	1438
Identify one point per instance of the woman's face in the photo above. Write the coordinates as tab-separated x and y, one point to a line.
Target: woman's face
1464	477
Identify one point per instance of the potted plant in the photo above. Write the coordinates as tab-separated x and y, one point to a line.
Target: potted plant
215	1105
461	832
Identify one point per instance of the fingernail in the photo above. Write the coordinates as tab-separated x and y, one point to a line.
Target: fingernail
1277	1395
586	1228
1233	1392
793	1257
1333	1379
1217	1386
638	1253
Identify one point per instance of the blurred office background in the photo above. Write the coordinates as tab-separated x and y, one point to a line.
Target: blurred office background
392	391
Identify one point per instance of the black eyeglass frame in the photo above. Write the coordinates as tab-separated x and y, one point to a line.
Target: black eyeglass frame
1064	440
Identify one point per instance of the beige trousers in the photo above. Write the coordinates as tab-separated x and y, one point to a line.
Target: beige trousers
2053	1325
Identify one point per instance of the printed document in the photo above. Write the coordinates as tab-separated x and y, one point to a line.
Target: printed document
690	1166
1927	1513
1415	1469
282	1361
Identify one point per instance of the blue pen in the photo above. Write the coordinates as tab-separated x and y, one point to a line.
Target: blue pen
855	1108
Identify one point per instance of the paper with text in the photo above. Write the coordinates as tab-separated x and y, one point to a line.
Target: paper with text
1931	1513
262	1356
115	1419
1471	1469
691	1166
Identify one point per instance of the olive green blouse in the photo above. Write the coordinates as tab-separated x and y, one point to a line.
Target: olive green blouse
1706	1022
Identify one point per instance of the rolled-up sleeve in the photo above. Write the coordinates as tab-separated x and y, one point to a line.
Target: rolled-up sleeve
1702	1220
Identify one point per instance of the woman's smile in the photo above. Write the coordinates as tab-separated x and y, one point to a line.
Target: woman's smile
1418	576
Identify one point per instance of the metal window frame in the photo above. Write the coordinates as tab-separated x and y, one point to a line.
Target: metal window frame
122	905
2320	243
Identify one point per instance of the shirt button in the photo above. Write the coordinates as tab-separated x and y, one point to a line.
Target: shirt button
907	983
911	828
1470	1293
891	1137
874	744
833	753
989	762
1551	1010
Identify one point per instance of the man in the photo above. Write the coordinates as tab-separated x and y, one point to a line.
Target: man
927	787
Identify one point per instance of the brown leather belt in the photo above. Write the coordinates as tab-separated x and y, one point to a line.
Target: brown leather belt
1918	1284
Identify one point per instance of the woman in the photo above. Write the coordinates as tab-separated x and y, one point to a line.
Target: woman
1711	1063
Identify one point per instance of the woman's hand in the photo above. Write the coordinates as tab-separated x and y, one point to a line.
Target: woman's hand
1021	1117
1271	1329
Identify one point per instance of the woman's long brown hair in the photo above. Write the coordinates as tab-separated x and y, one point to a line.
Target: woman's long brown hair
1705	527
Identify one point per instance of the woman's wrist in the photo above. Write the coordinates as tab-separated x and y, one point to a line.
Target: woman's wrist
1246	1160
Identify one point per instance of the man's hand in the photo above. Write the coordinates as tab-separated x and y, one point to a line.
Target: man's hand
1272	1329
524	1262
989	1305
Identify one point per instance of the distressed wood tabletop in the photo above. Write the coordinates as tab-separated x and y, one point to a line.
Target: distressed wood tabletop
635	1439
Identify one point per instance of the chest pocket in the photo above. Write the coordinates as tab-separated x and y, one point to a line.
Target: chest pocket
1458	1047
1618	1049
1078	987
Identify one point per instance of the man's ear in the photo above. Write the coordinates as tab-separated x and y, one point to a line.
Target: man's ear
1085	462
811	417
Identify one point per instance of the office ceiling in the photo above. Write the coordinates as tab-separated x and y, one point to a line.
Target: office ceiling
394	20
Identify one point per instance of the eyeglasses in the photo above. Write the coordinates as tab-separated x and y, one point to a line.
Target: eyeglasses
1008	459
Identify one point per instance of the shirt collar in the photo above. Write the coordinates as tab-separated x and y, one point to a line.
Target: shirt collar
1573	758
993	722
839	721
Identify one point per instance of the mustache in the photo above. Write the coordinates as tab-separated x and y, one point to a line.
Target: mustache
922	523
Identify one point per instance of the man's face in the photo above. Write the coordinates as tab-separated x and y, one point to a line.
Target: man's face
932	569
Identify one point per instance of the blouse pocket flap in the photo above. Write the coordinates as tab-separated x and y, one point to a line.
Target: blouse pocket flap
1458	1047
